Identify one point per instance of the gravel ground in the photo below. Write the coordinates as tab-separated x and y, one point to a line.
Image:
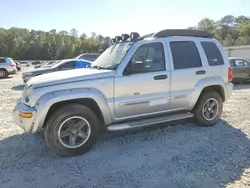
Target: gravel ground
179	154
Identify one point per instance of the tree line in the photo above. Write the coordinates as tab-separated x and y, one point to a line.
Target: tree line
229	30
24	44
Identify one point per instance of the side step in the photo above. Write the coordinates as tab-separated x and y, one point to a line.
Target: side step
146	122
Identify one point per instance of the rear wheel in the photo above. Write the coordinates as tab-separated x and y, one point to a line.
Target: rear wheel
208	109
3	73
72	130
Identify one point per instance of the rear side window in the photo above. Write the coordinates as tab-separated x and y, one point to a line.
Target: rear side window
213	54
185	55
2	61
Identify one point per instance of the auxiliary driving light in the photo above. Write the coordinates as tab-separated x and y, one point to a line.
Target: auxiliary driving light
113	41
118	38
134	35
125	37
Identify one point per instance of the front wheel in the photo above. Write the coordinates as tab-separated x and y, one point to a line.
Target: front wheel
208	109
72	130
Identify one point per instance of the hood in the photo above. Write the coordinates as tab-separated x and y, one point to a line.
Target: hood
67	76
38	70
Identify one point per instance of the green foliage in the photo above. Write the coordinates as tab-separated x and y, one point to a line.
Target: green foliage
24	44
229	30
30	44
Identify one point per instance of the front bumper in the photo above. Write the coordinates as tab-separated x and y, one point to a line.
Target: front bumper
27	124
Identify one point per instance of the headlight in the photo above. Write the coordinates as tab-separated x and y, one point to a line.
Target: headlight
28	94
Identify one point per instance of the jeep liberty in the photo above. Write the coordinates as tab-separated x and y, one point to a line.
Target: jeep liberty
138	81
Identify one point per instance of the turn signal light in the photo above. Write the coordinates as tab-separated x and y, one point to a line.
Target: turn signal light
26	114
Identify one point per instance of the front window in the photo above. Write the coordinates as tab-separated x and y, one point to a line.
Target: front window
239	63
113	56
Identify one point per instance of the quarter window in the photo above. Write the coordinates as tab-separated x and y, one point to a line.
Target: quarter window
213	54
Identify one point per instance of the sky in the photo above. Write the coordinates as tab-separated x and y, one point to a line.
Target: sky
115	17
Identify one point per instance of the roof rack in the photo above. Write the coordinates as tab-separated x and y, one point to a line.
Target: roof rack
146	36
182	32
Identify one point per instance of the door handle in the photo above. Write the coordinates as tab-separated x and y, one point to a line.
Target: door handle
201	72
161	77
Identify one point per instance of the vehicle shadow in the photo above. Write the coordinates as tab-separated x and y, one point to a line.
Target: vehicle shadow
9	77
241	86
173	155
18	88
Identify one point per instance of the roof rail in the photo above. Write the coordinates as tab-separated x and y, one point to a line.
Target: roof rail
182	32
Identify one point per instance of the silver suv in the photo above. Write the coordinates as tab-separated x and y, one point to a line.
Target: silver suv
138	81
7	66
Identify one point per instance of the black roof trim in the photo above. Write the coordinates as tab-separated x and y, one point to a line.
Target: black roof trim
182	32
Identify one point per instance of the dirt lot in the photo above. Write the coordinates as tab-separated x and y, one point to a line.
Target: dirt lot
171	155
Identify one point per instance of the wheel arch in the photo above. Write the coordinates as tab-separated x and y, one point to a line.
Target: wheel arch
91	98
88	102
206	85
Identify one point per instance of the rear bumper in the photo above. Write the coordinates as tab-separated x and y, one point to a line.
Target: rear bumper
228	90
25	123
13	71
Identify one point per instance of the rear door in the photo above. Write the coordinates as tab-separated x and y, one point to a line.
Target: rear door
187	69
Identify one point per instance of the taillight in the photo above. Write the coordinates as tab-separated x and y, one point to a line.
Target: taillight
230	74
12	64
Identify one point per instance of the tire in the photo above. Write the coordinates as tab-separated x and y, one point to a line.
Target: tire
52	129
3	73
199	110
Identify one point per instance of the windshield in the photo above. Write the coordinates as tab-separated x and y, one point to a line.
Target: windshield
58	63
54	64
112	57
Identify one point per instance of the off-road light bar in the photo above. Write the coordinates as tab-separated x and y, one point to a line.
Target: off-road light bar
125	37
113	41
118	38
134	35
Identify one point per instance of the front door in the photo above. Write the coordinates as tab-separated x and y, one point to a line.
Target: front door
144	87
